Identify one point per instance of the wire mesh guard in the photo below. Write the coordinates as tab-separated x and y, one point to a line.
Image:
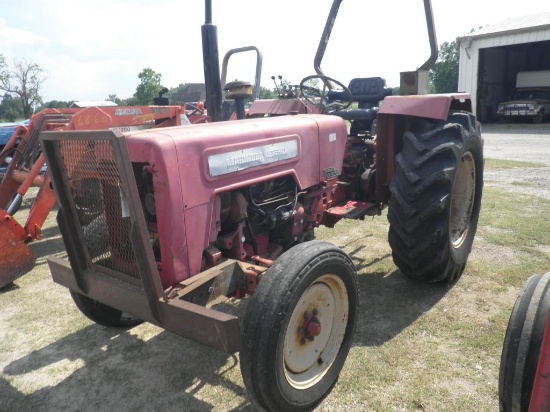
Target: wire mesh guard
101	203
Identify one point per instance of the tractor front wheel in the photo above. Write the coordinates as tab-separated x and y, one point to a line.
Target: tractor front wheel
436	198
103	314
299	327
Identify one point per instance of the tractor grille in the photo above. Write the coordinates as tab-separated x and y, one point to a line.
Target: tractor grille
101	203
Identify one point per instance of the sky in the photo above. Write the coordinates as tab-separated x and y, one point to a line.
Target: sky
91	49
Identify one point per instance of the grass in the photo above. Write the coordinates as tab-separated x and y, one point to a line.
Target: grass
444	351
509	164
417	347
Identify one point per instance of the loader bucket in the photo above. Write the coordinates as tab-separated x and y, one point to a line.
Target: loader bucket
16	258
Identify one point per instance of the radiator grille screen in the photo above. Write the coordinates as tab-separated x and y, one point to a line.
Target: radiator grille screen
101	203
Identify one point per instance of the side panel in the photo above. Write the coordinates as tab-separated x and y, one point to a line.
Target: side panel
332	145
161	156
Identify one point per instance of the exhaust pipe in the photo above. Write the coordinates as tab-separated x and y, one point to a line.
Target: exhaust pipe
211	63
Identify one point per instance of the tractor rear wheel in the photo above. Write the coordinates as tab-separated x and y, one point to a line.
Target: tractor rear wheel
103	314
522	344
299	327
436	198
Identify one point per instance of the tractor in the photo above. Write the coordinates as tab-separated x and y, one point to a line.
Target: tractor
165	225
524	383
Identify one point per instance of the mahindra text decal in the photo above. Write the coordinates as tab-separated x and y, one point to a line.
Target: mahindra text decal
229	162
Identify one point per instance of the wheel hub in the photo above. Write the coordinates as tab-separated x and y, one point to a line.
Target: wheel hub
315	331
310	327
462	200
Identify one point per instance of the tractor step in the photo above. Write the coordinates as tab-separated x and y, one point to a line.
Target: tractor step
352	209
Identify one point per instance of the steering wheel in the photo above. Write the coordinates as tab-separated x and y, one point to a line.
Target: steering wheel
327	99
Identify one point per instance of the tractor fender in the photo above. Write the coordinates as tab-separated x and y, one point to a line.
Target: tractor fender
432	106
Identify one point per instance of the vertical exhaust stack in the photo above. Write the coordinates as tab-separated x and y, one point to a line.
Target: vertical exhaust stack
417	82
211	63
326	36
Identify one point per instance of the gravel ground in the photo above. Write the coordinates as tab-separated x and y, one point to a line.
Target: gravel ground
520	142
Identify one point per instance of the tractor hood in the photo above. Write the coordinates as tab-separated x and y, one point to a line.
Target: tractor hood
215	157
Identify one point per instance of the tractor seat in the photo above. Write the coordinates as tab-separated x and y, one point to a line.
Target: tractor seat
357	114
367	92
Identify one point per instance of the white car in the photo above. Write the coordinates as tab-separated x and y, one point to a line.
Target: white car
531	104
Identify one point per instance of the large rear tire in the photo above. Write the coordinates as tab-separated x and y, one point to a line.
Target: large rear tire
299	327
436	198
522	344
103	314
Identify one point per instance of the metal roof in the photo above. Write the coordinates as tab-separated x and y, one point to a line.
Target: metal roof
514	24
192	92
94	103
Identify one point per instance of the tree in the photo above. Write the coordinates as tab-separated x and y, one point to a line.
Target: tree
149	87
25	81
115	99
56	104
130	101
444	73
11	108
266	93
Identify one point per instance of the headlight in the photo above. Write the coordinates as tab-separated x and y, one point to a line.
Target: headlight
500	108
531	107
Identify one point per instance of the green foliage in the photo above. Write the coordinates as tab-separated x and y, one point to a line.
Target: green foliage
149	87
130	101
11	108
55	104
444	73
25	81
266	93
115	99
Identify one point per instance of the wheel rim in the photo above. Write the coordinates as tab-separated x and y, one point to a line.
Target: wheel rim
462	200
315	331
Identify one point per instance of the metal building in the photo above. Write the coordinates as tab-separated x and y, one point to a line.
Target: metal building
491	57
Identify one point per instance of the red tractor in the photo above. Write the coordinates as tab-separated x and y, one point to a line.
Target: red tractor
524	381
164	225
